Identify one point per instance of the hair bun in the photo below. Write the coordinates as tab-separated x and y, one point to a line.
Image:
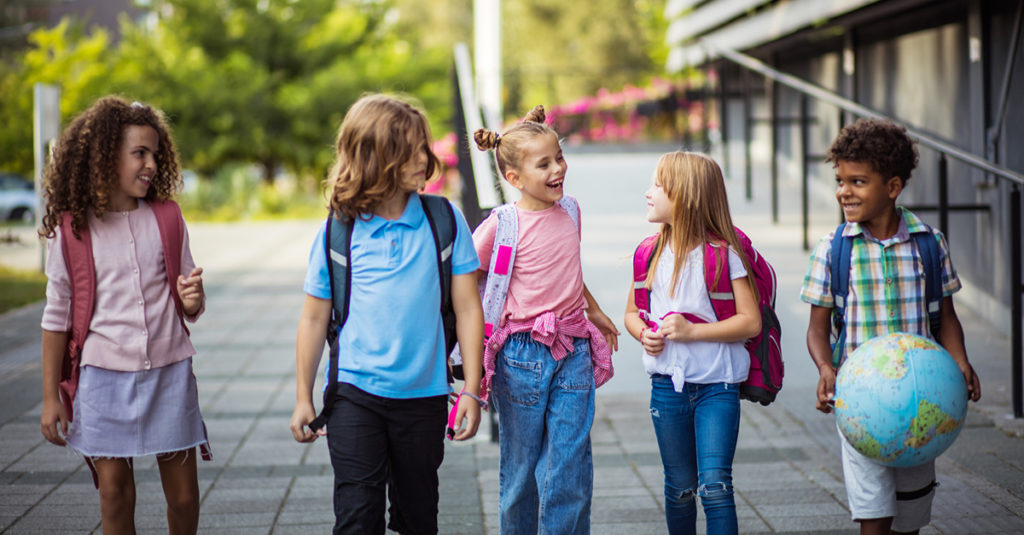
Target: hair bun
536	115
485	139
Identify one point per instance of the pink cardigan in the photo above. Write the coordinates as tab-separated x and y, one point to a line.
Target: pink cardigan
558	335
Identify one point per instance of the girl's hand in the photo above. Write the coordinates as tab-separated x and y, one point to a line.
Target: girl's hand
676	328
301	416
653	342
467	418
606	326
54	422
190	291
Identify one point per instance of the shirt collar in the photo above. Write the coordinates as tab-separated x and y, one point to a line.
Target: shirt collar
412	216
908	223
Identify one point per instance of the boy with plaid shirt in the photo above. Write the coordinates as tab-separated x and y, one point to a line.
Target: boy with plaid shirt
873	161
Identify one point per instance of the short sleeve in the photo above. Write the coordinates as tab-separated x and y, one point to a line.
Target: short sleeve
464	257
483	240
318	282
817	286
57	312
950	280
736	269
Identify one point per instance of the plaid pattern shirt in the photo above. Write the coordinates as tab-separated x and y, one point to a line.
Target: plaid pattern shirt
887	285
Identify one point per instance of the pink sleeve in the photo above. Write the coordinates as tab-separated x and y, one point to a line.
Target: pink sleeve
483	240
57	312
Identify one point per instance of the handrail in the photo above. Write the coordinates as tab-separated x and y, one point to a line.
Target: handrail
823	94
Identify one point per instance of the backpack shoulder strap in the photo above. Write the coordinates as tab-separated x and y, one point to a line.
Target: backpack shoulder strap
928	249
82	272
441	218
172	236
499	272
717	279
839	284
642	257
571	207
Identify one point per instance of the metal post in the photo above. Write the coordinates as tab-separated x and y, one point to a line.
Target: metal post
1015	302
775	149
944	194
470	202
723	117
804	176
746	135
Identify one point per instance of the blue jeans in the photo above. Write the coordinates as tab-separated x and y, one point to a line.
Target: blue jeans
697	431
545	409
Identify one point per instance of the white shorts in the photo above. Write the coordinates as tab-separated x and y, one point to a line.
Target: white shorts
872	489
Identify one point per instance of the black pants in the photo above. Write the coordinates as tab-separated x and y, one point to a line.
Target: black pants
376	441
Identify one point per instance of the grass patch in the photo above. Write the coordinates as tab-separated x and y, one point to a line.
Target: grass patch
20	287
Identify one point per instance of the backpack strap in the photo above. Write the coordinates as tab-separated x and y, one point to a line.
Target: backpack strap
642	257
338	248
928	250
571	207
499	272
441	219
172	237
82	272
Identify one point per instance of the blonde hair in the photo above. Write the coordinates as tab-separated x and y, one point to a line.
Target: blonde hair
694	184
508	145
379	135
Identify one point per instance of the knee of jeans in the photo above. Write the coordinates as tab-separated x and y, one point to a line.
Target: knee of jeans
715	485
678	495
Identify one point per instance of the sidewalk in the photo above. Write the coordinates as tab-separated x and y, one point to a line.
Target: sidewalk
787	473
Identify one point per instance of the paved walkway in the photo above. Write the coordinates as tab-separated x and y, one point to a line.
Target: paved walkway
787	473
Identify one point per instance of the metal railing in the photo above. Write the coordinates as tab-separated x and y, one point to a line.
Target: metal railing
945	150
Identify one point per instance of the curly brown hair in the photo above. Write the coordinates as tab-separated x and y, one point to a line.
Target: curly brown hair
508	151
83	170
880	143
379	135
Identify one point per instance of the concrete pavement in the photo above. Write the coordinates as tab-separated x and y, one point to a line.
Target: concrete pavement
787	473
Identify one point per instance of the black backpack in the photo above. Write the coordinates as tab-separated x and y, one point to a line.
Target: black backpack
337	244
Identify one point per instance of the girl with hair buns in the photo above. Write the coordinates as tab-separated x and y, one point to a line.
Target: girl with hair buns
552	346
108	190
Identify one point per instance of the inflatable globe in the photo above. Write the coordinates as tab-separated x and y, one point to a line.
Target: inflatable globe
900	399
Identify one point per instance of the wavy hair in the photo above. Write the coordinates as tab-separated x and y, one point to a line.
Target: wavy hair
508	145
700	212
379	135
83	170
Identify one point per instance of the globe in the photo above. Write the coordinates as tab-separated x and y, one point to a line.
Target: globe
900	399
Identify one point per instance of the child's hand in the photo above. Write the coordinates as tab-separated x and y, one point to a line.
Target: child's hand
467	419
676	328
653	342
606	326
826	389
54	422
973	383
190	291
301	416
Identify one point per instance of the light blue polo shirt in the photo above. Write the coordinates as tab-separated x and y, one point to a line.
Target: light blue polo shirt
392	344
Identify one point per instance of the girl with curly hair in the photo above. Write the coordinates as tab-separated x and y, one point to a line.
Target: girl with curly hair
108	211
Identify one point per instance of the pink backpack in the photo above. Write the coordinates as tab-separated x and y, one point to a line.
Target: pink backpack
766	366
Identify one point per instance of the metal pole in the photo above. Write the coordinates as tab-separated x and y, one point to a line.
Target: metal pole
944	194
1015	304
804	176
723	117
746	136
775	149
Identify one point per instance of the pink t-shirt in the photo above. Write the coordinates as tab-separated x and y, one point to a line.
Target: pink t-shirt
134	324
546	274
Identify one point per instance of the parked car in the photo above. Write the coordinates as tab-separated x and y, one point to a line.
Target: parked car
17	198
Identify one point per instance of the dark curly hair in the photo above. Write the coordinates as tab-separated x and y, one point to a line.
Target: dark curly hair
883	144
378	136
83	170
